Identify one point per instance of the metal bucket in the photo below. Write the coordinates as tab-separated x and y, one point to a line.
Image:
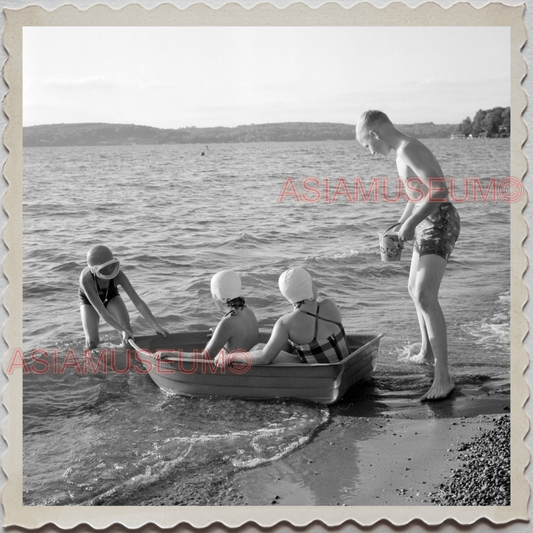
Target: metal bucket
390	245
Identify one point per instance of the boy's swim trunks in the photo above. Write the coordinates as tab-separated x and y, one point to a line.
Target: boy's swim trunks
438	233
106	295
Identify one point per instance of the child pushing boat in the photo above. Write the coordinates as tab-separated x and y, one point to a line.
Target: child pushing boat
99	298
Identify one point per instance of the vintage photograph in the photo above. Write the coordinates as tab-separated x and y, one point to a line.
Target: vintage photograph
266	266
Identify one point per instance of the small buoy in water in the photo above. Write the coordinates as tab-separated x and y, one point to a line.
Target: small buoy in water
203	153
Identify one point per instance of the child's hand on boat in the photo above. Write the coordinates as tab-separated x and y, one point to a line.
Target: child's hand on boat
161	331
126	335
222	360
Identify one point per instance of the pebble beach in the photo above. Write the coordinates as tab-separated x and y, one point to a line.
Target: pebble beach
484	478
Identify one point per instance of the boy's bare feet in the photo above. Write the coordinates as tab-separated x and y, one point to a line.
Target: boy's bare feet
439	390
424	360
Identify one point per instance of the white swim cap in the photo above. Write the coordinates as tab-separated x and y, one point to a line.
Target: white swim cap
226	285
296	285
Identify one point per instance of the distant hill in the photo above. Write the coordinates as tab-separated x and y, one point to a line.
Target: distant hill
125	134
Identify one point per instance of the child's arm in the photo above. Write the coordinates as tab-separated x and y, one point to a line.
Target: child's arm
425	167
278	341
123	280
221	336
406	212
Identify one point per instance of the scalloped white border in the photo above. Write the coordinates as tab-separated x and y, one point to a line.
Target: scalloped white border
295	14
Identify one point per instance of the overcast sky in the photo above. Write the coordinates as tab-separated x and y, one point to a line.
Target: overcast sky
226	76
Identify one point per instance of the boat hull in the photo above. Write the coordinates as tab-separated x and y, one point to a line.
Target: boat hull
179	373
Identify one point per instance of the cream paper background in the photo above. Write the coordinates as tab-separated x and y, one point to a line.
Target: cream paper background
364	14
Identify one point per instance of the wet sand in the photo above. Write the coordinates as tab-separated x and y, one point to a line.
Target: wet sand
388	449
393	452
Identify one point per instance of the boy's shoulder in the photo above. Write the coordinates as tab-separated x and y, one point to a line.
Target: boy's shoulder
411	144
411	150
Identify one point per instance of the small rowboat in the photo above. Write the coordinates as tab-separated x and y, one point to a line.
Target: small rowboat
176	365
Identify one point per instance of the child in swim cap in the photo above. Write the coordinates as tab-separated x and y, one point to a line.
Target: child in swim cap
311	333
238	329
99	297
297	286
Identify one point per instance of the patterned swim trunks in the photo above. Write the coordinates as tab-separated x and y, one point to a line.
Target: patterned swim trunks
438	233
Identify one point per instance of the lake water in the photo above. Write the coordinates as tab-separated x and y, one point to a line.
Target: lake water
174	218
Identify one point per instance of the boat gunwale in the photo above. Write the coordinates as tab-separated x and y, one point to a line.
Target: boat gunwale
173	359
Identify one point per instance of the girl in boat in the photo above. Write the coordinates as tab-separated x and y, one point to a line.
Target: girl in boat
99	298
311	333
238	329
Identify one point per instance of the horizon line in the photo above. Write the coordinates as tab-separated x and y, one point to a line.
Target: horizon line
229	127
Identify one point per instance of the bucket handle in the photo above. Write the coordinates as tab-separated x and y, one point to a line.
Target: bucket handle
390	227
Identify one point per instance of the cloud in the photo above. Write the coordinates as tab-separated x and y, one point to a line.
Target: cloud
94	82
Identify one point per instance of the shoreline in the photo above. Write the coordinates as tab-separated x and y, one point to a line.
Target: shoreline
398	456
388	449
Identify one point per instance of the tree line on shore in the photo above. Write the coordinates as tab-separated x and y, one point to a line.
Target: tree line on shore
494	122
487	123
126	134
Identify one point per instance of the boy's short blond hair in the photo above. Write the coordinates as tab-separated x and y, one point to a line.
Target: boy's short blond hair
371	119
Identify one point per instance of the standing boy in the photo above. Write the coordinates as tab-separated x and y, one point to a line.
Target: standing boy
433	222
